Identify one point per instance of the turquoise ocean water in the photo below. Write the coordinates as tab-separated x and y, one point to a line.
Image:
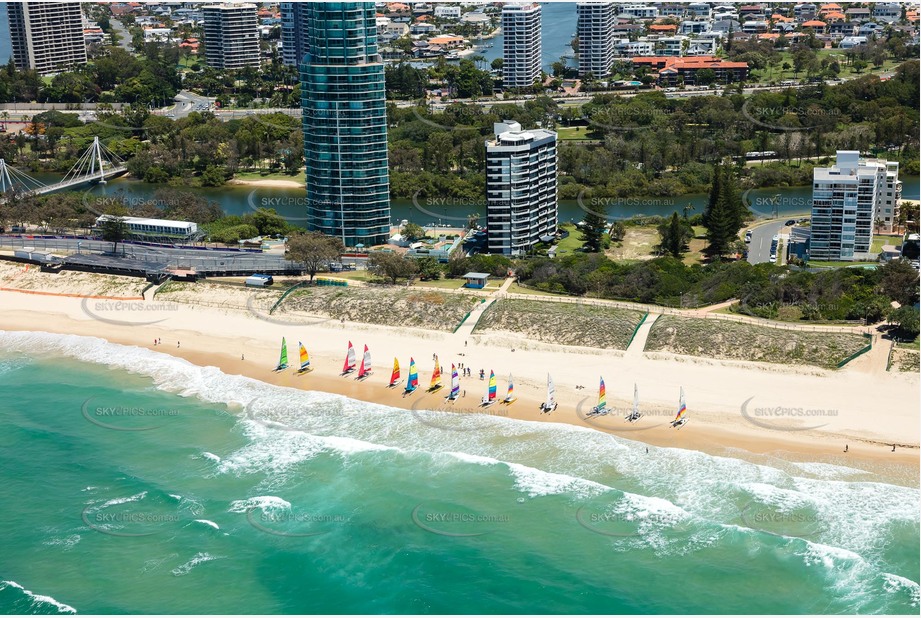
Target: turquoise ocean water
134	482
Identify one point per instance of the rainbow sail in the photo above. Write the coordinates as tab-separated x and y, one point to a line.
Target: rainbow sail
455	384
283	357
492	386
395	374
682	417
510	395
365	369
349	364
305	358
412	381
602	395
436	377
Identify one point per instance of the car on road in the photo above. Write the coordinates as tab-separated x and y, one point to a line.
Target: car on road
748	236
790	222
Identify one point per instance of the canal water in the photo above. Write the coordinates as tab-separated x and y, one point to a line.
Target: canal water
558	25
291	202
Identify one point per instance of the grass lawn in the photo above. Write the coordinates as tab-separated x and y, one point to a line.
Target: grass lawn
520	289
885	239
570	244
445	284
638	244
356	275
913	345
824	264
574	133
298	176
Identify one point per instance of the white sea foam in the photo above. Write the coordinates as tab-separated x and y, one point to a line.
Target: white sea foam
210	456
199	558
38	599
66	542
288	426
264	503
827	470
208	522
895	584
116	501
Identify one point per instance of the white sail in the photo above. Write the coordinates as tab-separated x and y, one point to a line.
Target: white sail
636	402
551	391
351	356
367	360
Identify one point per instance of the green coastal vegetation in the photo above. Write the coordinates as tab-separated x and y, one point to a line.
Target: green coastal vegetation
722	339
561	323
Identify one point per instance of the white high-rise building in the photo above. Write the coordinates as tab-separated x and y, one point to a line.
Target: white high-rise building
46	36
231	36
521	194
847	200
521	50
596	45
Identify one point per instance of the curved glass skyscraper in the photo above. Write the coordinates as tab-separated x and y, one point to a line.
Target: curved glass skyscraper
345	123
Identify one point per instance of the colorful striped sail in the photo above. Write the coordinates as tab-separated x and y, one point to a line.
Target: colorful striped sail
365	368
510	395
283	358
636	402
305	359
412	381
395	374
436	376
349	359
602	395
682	408
455	383
491	393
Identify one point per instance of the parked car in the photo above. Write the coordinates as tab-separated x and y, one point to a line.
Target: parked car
790	222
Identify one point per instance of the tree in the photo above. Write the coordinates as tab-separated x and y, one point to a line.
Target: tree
898	280
473	220
617	231
907	321
674	235
391	266
269	222
412	231
593	228
114	230
429	268
314	250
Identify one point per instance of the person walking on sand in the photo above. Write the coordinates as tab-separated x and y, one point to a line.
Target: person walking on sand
465	343
241	357
845	448
177	344
893	448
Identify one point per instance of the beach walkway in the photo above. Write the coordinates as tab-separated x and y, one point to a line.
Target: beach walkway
466	329
638	344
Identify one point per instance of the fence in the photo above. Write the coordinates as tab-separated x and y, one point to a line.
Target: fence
859	352
285	295
637	329
889	358
334	282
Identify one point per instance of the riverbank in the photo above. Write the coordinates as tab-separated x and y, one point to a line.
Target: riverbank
734	406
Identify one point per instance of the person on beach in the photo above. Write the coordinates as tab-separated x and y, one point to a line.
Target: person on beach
177	344
845	448
893	448
241	357
465	343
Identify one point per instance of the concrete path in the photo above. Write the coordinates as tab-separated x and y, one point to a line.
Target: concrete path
466	329
642	334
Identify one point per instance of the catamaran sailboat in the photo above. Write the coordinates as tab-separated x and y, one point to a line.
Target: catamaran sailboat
550	404
455	384
365	369
412	381
395	374
510	395
634	415
305	359
349	365
602	408
682	417
436	377
283	357
490	397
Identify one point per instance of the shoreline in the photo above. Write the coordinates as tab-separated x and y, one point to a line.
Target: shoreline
268	182
218	337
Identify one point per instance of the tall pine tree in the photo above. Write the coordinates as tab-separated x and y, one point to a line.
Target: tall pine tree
714	193
594	226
